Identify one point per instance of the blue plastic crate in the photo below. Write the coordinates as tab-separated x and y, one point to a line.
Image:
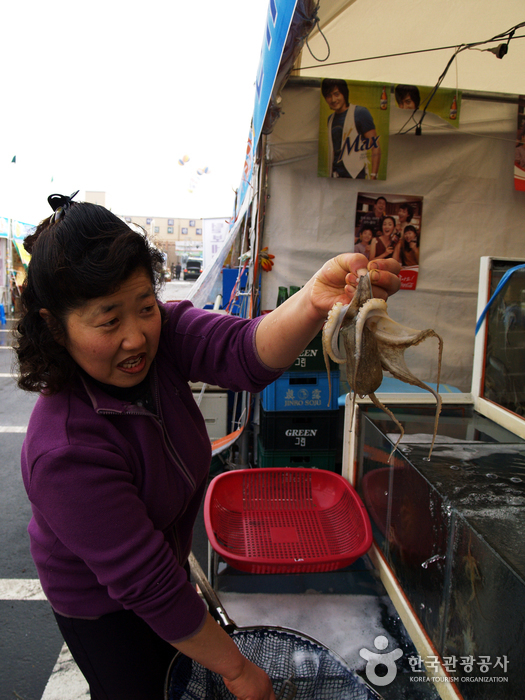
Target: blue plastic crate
301	391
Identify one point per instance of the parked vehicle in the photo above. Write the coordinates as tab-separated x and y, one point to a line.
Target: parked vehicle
192	269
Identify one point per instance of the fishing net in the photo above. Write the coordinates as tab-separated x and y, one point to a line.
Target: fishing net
299	668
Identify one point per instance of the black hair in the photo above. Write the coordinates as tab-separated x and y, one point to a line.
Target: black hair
412	91
409	209
330	84
88	253
406	246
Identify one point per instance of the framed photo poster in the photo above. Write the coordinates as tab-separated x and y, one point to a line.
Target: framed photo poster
389	226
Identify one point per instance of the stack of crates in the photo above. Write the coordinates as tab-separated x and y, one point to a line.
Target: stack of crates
298	424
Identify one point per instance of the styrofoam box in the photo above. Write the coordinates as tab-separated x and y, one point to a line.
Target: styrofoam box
214	408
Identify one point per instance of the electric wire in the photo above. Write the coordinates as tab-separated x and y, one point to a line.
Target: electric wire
463	132
403	53
321	60
508	35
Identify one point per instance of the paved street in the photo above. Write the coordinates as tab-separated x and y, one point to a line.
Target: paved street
33	663
29	641
176	290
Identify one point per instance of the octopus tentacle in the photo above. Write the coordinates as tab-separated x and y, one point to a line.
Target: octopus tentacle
378	403
331	330
393	361
330	340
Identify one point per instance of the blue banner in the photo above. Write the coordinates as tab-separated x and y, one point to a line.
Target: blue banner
278	20
247	172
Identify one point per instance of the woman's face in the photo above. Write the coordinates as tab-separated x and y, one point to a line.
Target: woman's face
409	236
366	236
115	338
388	227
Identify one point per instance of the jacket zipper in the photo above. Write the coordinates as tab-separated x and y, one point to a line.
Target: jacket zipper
170	448
167	441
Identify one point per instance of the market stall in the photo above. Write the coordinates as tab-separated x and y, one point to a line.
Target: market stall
443	156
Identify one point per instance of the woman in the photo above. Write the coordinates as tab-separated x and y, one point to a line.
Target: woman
383	246
407	249
116	456
405	213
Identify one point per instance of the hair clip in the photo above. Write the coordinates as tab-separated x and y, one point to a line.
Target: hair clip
60	203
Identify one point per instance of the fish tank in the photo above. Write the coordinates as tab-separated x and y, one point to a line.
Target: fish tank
498	380
451	527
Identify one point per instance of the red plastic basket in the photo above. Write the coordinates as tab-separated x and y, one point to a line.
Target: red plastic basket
274	521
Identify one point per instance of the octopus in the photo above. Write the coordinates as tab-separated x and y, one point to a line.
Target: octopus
373	342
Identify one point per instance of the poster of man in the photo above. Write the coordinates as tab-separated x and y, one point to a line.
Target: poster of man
389	226
444	102
353	130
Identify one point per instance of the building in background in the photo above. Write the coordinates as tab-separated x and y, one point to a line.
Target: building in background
177	238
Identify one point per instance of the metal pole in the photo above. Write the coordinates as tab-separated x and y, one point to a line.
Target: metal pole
9	267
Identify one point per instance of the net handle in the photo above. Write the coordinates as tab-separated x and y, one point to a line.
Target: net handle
214	604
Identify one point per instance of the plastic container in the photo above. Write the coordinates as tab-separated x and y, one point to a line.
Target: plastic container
311	430
295	458
273	521
312	358
301	391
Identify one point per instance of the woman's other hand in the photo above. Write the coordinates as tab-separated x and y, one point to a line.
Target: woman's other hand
252	684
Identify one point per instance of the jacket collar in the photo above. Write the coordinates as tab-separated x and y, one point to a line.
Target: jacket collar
103	403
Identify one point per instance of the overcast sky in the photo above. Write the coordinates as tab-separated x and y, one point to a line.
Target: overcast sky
108	95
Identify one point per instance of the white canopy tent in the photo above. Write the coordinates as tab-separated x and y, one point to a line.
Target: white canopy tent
358	30
465	174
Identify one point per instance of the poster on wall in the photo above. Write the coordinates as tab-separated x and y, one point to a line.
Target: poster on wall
215	232
444	102
353	129
519	154
389	226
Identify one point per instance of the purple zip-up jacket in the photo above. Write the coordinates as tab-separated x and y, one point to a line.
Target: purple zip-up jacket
115	490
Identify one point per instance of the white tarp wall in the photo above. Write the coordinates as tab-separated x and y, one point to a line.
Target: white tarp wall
470	209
